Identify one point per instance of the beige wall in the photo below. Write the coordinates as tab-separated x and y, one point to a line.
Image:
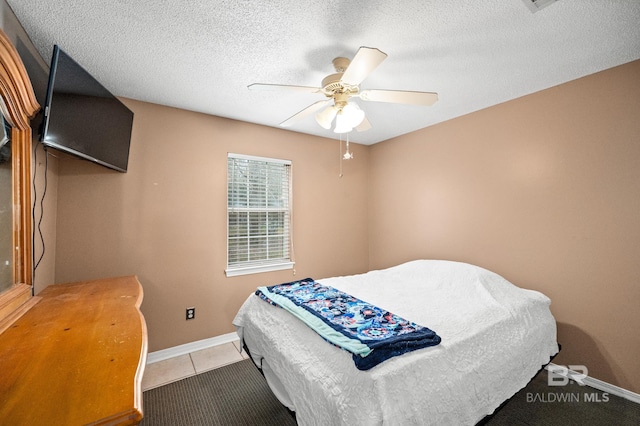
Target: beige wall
165	219
544	190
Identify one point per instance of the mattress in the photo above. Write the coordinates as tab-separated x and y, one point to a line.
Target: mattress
495	338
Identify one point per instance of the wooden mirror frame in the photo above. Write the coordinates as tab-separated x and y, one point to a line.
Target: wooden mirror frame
18	105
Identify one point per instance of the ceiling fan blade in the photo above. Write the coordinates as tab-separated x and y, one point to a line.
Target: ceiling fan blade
366	60
305	112
399	97
365	125
283	87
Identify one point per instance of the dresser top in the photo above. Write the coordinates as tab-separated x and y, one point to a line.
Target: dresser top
76	357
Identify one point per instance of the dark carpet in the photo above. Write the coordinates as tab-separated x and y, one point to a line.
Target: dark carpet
238	395
235	394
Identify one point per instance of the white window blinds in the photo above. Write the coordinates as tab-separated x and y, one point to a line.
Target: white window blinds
258	214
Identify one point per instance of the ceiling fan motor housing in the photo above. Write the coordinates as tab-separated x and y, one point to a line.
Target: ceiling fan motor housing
341	64
333	84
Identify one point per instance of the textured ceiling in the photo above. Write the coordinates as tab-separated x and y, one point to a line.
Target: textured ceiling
201	55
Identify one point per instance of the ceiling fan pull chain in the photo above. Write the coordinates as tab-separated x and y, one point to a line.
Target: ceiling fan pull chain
348	155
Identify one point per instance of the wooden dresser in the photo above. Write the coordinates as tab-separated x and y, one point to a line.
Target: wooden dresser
76	357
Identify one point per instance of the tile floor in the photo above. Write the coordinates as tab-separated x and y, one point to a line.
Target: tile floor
177	368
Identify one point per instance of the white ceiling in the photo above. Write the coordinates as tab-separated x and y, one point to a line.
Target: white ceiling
200	55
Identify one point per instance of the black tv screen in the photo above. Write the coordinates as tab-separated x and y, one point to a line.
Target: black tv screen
83	118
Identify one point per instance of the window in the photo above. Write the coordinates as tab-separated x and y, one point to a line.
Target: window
258	215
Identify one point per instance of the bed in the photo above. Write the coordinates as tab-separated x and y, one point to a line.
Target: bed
494	338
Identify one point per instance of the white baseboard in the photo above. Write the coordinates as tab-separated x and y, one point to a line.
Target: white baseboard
604	386
175	351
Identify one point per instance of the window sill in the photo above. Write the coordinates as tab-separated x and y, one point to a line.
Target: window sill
256	269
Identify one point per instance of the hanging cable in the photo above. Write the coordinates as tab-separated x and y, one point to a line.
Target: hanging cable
33	211
33	216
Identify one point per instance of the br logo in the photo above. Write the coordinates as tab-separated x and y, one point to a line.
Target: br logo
559	375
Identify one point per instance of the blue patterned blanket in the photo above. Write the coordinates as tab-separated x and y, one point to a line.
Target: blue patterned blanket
370	333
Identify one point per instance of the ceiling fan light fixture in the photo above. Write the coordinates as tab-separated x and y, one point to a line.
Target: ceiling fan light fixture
325	117
342	125
348	117
354	114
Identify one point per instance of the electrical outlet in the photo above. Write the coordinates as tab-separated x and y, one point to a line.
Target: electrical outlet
191	313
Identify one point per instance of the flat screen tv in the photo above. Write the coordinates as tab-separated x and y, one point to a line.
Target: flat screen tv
81	117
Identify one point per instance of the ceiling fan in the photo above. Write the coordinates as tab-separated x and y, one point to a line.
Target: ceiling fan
343	85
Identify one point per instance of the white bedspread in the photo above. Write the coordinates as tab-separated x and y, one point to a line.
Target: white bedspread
495	337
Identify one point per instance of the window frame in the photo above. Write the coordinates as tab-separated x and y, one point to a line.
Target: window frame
263	264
